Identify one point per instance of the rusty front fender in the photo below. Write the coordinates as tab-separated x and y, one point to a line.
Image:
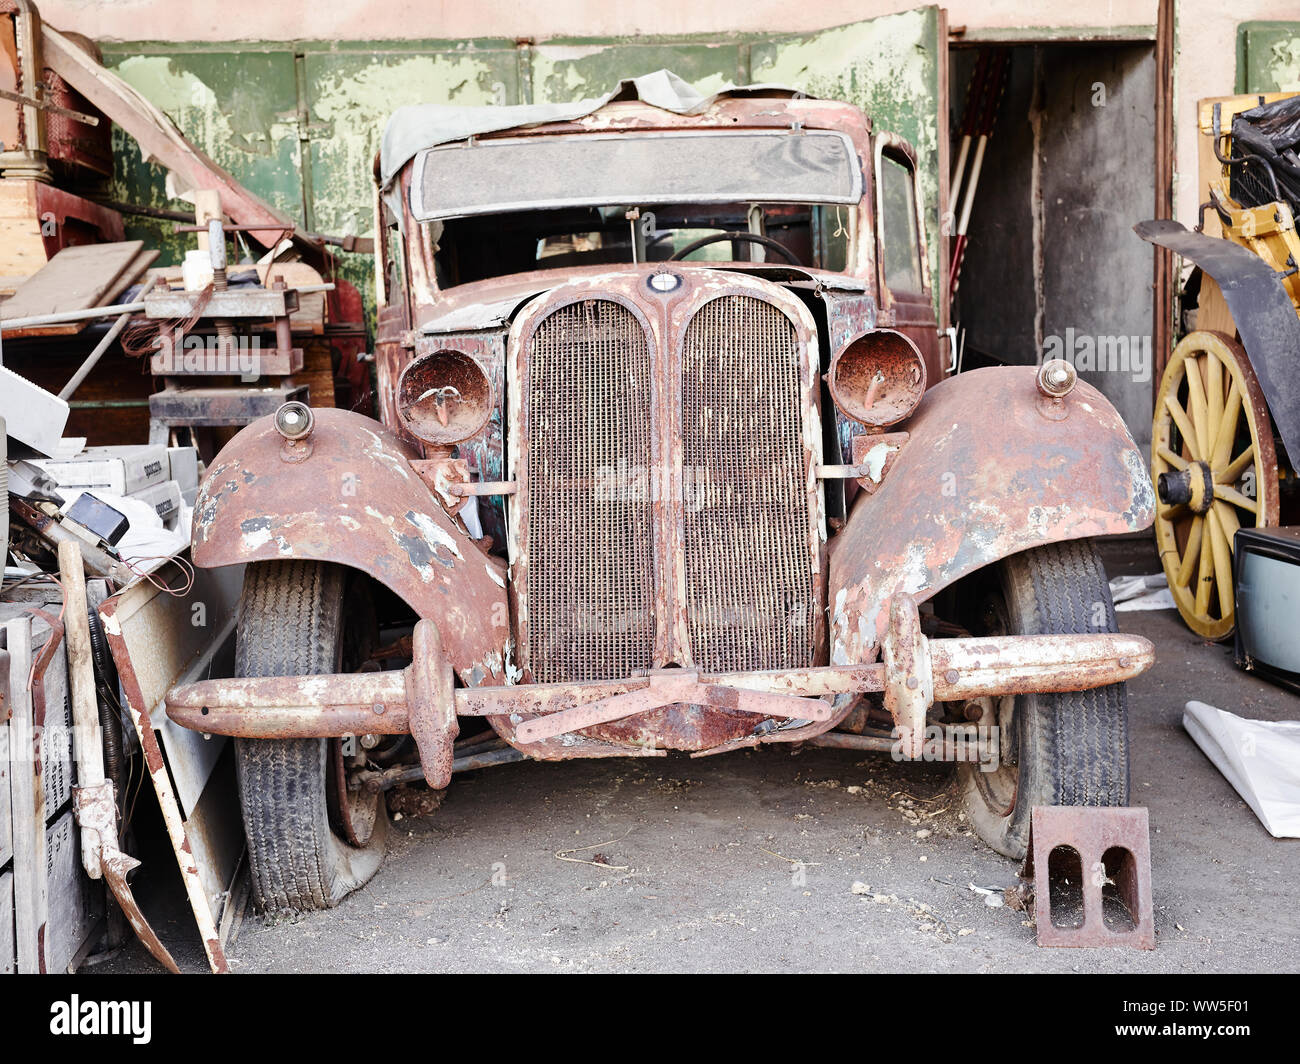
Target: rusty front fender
991	468
356	501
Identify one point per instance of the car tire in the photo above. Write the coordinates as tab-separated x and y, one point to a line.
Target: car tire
1069	748
292	622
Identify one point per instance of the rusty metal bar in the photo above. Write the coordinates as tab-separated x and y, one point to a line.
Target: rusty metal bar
842	472
946	670
971	750
484	487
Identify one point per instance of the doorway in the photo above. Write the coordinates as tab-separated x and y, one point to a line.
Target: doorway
1052	267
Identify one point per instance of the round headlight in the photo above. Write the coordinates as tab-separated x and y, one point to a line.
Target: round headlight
294	420
1057	378
878	379
444	397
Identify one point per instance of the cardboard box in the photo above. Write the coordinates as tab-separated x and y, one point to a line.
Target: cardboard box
32	415
165	498
119	470
184	462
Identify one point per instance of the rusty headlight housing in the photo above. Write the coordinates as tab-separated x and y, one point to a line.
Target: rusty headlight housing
444	397
879	379
294	420
1057	378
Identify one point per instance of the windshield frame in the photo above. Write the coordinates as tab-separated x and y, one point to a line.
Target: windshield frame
423	214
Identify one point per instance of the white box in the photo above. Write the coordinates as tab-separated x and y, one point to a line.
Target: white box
32	415
165	498
184	462
120	470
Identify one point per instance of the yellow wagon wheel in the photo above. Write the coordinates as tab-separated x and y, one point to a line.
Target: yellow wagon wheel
1215	469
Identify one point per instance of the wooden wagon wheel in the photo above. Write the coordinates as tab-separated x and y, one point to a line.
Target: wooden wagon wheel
1215	469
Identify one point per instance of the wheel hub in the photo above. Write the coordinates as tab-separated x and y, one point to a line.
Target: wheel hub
1192	487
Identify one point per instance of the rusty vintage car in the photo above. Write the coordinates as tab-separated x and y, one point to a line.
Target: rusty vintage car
670	458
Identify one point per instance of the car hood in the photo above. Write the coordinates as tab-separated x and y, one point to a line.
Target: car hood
492	303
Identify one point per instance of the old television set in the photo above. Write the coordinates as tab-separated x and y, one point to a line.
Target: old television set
1266	576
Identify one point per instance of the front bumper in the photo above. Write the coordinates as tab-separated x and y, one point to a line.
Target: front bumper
423	701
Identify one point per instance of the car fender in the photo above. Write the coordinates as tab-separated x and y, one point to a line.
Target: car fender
991	467
355	500
1261	310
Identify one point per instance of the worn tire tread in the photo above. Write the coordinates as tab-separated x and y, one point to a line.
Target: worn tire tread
1074	746
290	618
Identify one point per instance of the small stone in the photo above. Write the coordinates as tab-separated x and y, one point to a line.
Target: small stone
924	833
860	888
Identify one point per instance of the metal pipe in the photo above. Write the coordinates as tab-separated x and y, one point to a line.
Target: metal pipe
92	359
66	316
402	774
972	750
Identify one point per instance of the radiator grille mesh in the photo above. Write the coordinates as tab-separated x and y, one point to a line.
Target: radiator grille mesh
747	544
590	538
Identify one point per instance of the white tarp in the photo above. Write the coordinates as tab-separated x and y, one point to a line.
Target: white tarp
1141	593
414	127
1260	758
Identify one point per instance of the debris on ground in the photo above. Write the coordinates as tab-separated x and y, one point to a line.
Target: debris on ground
413	800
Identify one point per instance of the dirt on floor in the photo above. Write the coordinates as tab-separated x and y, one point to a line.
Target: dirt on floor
788	860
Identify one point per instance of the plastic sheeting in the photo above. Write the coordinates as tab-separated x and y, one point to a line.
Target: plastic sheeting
1260	758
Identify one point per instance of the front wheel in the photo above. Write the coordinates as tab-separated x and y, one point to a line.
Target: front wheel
1069	748
311	839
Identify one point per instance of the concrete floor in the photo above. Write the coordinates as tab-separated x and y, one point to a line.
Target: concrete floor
696	872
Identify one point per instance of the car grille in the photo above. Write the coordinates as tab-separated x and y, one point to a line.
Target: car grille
590	583
747	527
600	532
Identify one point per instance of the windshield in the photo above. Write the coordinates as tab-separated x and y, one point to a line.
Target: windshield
482	246
592	170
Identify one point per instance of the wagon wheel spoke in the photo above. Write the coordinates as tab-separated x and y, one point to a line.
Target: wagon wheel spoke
1192	553
1198	408
1213	459
1226	428
1204	576
1214	370
1228	519
1222	563
1243	502
1231	473
1175	460
1184	424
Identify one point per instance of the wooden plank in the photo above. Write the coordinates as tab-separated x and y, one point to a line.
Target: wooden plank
317	373
7	966
28	803
22	249
1212	309
74	279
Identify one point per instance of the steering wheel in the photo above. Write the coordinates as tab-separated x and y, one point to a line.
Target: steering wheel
753	238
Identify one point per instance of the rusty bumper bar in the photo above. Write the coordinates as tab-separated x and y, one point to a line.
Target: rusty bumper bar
421	700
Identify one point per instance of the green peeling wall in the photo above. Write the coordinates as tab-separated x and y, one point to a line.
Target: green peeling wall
1268	57
299	123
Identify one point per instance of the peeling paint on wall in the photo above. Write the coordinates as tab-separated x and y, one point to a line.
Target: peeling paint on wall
1268	57
887	66
253	108
565	71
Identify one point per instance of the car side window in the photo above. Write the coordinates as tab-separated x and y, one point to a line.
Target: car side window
898	234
